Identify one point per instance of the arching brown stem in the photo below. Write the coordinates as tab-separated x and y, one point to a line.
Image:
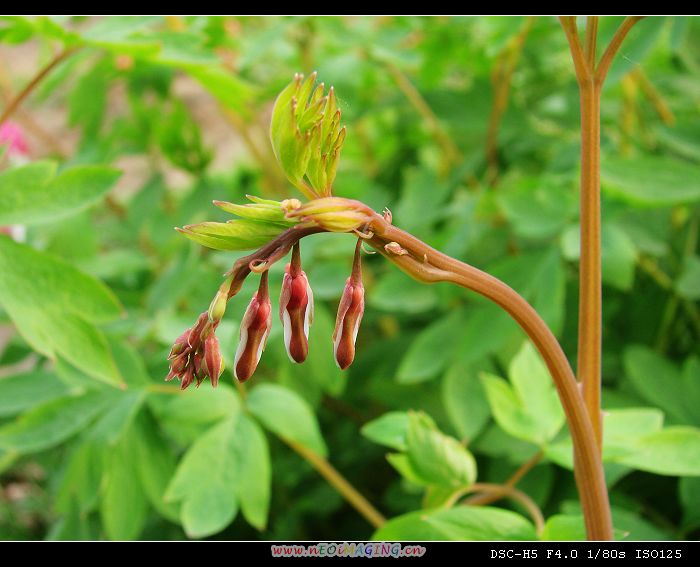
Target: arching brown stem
426	264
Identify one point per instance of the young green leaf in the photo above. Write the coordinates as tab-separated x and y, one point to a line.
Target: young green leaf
51	423
287	415
20	392
124	507
436	457
28	195
527	407
463	523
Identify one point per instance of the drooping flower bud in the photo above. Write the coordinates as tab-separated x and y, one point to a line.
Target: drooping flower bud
213	364
350	311
255	328
296	309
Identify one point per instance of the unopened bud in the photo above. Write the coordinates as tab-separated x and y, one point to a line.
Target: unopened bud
296	309
255	328
350	312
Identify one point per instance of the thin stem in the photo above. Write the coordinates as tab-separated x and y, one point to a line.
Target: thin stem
499	491
589	47
590	81
606	60
583	71
429	265
19	98
526	467
340	483
432	123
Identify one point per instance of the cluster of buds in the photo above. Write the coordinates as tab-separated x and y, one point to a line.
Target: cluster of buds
196	355
307	138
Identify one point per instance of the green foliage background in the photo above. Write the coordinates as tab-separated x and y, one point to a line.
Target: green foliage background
444	390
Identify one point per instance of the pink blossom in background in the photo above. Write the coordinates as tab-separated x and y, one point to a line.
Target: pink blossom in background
11	135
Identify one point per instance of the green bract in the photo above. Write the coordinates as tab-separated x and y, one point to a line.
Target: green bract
261	221
306	135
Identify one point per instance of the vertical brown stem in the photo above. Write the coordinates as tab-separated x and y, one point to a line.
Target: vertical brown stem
590	282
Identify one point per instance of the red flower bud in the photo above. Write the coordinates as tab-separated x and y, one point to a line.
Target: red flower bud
255	328
296	309
180	344
350	311
213	364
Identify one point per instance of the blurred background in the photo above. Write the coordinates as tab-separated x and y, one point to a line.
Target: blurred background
468	130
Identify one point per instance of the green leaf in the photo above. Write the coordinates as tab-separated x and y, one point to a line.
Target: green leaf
651	181
82	476
76	340
114	423
404	467
659	382
436	457
156	466
538	207
688	283
207	511
233	235
622	432
561	527
267	211
396	293
52	423
389	429
689	493
618	254
431	351
465	401
464	523
24	391
486	329
205	482
54	307
227	88
534	386
28	195
228	466
198	407
320	365
673	451
124	506
528	408
119	34
287	415
254	472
